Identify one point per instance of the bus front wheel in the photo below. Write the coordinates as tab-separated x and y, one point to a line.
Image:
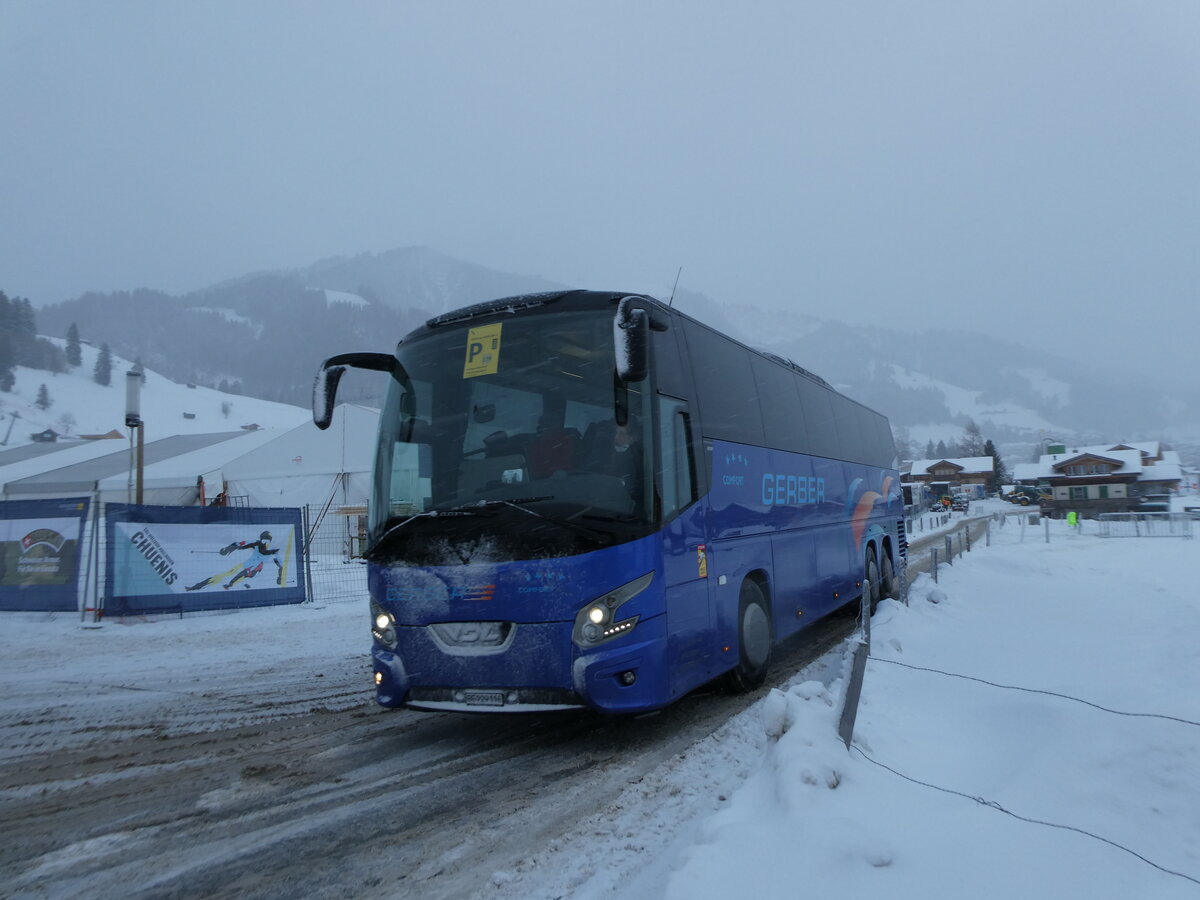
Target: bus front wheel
755	639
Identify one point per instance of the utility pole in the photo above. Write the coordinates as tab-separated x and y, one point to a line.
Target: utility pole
133	419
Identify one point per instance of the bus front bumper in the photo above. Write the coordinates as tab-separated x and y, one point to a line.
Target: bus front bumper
542	671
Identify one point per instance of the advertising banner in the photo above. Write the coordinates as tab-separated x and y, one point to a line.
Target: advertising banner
39	554
184	559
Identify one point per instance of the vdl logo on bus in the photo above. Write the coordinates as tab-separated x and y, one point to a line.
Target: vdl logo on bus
781	490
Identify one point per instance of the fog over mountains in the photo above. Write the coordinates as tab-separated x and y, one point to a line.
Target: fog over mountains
264	334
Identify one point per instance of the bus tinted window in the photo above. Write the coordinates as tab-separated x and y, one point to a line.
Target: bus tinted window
783	419
845	413
725	387
822	434
886	442
669	373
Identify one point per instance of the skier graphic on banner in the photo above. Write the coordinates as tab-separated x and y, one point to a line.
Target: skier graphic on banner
249	566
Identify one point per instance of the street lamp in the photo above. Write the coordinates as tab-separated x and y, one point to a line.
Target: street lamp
133	419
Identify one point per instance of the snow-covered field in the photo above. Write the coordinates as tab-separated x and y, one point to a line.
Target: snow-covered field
1029	727
80	406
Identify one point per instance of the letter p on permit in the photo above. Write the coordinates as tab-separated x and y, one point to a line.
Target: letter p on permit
483	351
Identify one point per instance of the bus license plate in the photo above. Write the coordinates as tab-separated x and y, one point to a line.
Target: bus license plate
483	698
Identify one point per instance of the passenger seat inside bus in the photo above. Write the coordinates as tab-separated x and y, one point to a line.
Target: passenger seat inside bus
552	450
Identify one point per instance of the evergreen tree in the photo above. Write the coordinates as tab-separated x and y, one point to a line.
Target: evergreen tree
102	373
999	472
972	441
940	451
8	377
43	400
22	331
74	352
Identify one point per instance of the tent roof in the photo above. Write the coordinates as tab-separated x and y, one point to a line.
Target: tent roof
22	464
207	462
347	446
84	476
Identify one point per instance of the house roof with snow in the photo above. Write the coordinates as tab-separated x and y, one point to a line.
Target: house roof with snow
965	465
1143	461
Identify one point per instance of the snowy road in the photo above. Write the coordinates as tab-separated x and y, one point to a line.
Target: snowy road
228	768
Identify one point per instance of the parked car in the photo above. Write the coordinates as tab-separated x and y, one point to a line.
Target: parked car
960	504
1154	503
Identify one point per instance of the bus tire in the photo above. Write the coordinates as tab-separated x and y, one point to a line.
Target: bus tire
755	640
888	573
871	581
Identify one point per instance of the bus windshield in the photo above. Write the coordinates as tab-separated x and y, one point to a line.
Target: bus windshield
515	433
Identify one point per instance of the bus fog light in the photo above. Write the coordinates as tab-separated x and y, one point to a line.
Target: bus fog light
511	697
460	697
627	677
378	679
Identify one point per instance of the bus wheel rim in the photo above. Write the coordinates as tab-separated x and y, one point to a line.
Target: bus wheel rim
756	635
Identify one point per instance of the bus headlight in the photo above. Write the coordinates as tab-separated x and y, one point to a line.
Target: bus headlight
599	620
383	626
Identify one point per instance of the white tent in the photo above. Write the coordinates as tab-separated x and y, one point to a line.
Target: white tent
324	470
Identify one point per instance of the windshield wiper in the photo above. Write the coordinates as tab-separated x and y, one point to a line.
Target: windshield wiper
518	504
470	509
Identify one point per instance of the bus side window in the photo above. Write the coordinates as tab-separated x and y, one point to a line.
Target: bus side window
678	460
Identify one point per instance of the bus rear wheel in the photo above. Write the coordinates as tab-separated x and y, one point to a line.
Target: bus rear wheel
871	581
755	640
889	586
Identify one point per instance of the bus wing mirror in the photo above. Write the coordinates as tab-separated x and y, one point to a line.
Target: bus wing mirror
331	372
631	341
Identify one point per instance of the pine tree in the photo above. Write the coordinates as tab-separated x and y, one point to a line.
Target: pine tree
102	373
8	377
929	449
74	352
43	400
940	451
972	442
23	332
999	472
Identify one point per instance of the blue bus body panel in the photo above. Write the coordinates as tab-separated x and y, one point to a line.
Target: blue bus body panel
800	522
815	515
546	590
541	600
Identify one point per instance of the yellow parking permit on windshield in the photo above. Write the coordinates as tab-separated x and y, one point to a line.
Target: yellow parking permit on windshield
483	350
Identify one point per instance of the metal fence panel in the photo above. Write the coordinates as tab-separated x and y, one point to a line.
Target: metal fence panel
337	569
1164	524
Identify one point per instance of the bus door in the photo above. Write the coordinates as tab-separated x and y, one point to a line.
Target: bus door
686	585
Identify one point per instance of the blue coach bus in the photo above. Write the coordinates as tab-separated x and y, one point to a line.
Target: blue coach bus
591	500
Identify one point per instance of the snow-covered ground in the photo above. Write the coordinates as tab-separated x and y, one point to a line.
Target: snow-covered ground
1029	727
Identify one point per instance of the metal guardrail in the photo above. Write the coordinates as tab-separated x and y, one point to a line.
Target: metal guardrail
1134	524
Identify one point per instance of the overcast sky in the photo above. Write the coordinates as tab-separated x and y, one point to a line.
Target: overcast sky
1016	166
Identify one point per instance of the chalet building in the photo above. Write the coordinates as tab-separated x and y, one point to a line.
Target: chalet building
954	473
1102	477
